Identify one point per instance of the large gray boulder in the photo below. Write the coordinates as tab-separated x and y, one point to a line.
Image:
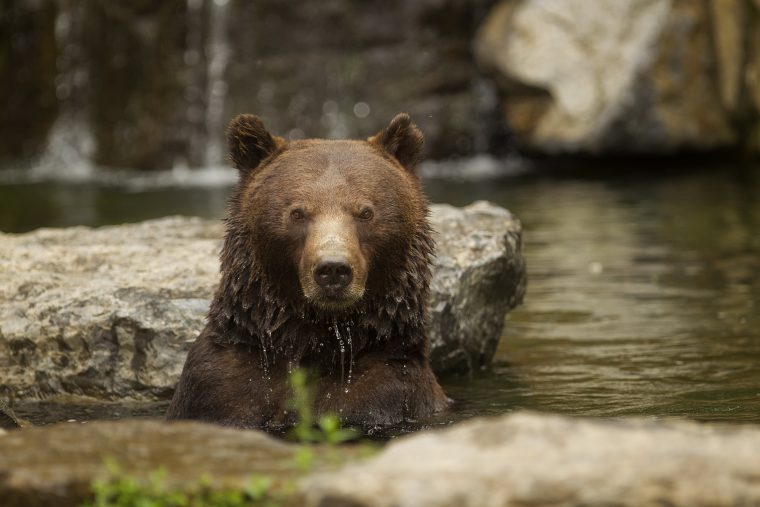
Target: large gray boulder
542	460
111	312
626	76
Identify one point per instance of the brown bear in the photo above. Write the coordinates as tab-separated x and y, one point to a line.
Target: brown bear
325	266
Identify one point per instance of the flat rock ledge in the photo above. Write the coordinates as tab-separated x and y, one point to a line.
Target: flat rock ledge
110	312
54	466
541	460
514	460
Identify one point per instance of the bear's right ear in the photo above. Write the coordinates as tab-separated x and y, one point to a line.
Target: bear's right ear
249	142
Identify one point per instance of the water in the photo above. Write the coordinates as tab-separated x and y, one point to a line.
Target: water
643	298
643	292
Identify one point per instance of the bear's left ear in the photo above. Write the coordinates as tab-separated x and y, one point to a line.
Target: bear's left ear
402	139
249	142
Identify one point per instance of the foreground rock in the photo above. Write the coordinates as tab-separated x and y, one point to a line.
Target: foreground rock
515	460
110	312
8	419
55	465
537	460
628	75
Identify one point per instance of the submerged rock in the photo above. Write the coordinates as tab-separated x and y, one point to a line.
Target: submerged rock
528	459
111	312
626	76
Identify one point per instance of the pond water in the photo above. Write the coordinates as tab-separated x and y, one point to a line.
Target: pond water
643	286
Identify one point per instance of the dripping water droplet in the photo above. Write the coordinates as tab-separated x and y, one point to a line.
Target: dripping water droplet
350	355
342	347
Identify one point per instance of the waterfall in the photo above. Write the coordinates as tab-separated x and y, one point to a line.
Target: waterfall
218	58
70	145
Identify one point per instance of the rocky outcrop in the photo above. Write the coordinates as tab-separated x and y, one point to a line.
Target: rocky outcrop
110	312
373	59
542	460
149	85
628	76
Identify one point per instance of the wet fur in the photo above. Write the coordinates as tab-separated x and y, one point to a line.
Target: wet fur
260	326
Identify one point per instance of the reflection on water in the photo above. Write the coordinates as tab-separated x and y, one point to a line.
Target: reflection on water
643	293
643	298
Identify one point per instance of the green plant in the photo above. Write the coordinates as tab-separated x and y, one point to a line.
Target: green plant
327	429
119	489
123	490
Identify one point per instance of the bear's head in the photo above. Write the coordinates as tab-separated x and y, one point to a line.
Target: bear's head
327	222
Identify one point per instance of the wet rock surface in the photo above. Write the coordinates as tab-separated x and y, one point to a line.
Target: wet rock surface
479	276
632	77
55	465
110	312
541	460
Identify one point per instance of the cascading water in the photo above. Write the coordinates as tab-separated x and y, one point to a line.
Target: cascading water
218	58
196	84
70	145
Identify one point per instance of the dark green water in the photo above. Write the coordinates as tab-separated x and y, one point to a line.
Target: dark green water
643	295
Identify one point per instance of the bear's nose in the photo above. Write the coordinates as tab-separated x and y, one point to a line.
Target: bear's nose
333	274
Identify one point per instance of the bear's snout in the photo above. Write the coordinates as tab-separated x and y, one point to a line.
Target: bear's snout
333	274
332	269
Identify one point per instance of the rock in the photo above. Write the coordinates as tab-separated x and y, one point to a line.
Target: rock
27	53
479	276
8	419
631	76
110	312
404	56
55	465
752	80
151	85
514	460
528	459
106	312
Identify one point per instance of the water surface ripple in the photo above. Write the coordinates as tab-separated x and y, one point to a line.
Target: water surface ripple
643	298
643	292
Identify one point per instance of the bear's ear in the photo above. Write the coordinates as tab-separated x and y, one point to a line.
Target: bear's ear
249	142
402	139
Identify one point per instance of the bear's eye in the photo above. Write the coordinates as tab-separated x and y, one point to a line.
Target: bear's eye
298	214
366	214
